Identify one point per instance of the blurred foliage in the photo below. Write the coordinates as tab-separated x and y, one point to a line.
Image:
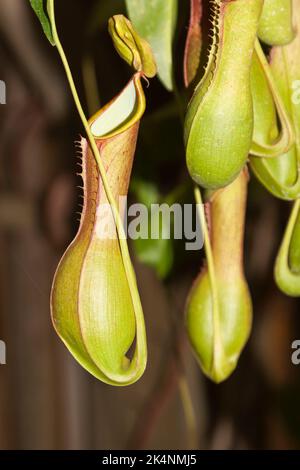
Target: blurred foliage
156	253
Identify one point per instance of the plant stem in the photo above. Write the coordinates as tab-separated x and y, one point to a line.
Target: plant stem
189	413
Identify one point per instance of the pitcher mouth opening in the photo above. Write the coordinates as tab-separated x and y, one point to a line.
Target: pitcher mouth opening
120	113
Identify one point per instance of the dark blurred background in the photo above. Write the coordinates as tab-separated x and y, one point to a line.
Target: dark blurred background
47	401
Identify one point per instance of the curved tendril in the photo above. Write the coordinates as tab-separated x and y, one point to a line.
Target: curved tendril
286	279
286	138
212	279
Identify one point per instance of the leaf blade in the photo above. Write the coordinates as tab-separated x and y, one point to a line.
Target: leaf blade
193	43
38	7
155	21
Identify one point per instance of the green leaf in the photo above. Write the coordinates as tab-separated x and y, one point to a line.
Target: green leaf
39	8
155	21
